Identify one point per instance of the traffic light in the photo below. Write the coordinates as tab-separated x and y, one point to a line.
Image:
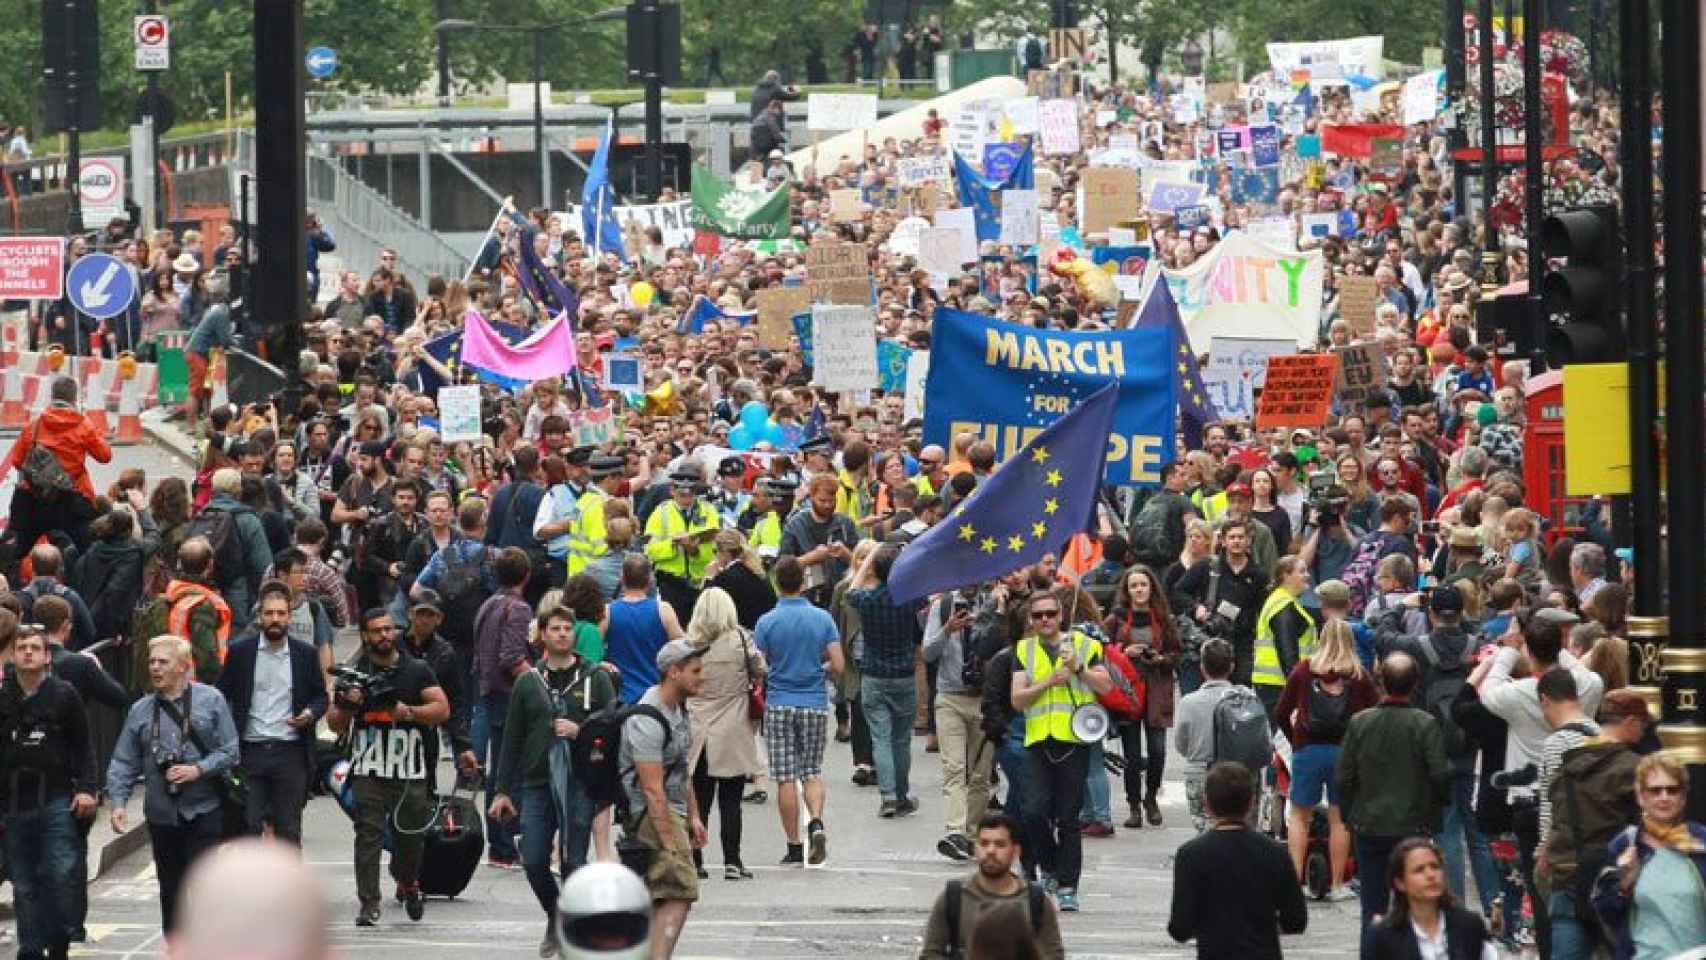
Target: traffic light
70	38
1585	291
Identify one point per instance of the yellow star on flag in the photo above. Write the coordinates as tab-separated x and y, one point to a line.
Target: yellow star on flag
1053	478
1015	543
1039	529
988	545
1040	455
1050	506
1183	369
967	532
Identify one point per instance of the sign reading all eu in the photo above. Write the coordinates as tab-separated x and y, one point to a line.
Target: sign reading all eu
1026	379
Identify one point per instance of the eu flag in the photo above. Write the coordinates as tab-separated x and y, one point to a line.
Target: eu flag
447	349
703	309
1030	506
1196	410
978	192
598	217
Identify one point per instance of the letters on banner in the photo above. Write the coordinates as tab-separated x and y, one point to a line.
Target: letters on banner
674	219
1245	288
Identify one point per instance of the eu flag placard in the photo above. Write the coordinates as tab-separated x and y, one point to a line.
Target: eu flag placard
1030	506
1005	382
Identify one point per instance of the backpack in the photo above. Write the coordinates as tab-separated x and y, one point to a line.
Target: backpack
1033	54
44	474
1129	695
1149	532
954	894
1329	712
150	620
597	754
219	526
1241	730
1440	690
463	587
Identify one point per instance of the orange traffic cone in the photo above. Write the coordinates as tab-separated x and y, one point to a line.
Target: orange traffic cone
13	416
129	414
99	381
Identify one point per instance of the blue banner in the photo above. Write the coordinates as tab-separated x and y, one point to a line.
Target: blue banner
1000	159
1259	185
978	191
1265	145
1028	378
892	358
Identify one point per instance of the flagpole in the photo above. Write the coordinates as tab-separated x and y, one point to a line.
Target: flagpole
598	224
475	259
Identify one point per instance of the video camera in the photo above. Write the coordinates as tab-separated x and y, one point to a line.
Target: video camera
1327	503
377	689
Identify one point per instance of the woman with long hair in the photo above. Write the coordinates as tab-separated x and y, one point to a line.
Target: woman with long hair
1266	509
1657	905
301	493
1323	692
1199	547
216	456
557	512
1141	624
162	310
737	569
1362	511
725	748
1425	921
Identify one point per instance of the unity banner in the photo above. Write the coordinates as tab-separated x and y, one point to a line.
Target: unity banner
1245	288
1028	378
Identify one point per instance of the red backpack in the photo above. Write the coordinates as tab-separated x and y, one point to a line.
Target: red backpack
1130	694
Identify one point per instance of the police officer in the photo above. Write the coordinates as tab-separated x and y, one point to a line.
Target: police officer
1055	673
818	454
579	461
678	535
587	538
728	498
761	521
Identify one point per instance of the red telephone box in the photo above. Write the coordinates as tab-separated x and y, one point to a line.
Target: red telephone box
1543	454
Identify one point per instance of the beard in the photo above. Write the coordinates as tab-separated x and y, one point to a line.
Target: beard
274	632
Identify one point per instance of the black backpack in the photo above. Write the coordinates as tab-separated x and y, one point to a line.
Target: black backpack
1440	690
219	526
1150	533
1036	902
1033	54
597	753
1329	712
44	474
463	587
1241	731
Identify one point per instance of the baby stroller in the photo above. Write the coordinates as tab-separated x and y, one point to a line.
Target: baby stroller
1317	859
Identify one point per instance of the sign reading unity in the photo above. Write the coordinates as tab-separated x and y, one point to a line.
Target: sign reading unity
1028	378
1245	288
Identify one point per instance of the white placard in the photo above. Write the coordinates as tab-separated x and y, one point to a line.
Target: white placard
1106	118
1274	231
917	369
1057	120
624	373
903	241
915	171
459	413
1329	59
1421	97
1022	114
939	251
1019	216
1130	285
969	131
963	220
1121	236
1319	225
841	111
844	348
1246	355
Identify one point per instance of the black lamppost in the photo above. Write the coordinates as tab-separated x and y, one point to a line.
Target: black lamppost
538	31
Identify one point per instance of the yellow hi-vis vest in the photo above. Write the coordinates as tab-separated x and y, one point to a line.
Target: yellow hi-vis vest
1267	669
587	534
766	536
1050	717
666	523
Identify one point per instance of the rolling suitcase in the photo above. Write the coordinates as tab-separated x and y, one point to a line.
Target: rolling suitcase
452	847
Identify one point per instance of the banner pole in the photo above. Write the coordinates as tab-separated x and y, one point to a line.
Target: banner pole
475	259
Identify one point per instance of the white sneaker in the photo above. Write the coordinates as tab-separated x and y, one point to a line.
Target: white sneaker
1340	894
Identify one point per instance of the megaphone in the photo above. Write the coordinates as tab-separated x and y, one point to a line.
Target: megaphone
1090	723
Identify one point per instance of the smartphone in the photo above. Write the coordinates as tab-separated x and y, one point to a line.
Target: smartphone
1430	527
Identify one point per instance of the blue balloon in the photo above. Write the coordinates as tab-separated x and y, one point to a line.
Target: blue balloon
754	415
771	434
741	437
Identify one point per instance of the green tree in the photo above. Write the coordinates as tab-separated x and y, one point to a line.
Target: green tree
1407	27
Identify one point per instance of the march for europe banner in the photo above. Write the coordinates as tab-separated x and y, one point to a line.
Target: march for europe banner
1026	379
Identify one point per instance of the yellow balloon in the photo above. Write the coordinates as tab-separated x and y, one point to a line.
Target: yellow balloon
642	293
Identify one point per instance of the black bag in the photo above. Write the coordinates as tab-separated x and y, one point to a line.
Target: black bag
451	848
1036	902
220	529
1033	54
1439	691
44	474
1240	730
232	789
463	587
597	754
1329	712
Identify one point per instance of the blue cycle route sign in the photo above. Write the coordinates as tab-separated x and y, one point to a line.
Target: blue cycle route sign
100	285
321	61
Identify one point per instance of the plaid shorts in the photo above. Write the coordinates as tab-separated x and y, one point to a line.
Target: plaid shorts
795	737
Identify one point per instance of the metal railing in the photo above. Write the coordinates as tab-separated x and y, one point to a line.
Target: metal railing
363	221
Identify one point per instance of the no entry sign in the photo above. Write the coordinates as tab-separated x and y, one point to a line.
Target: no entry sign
32	268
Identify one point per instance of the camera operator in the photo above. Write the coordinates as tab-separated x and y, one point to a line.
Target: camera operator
1224	593
962	632
388	704
1328	543
180	742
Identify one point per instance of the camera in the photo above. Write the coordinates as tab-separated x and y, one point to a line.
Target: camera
1327	505
165	760
377	689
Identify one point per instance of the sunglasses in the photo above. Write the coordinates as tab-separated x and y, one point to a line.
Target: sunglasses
1044	614
1664	789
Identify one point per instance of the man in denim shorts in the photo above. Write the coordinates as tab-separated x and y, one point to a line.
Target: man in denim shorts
798	641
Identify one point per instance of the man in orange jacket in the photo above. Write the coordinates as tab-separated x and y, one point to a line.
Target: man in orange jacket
54	490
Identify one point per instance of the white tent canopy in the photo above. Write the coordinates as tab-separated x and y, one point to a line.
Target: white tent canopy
908	124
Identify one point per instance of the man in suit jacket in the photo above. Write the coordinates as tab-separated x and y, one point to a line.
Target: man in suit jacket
277	695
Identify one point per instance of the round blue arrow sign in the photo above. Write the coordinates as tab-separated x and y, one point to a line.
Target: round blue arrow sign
100	285
321	61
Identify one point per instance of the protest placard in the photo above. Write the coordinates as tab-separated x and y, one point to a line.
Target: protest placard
1298	391
32	268
838	273
624	373
1019	216
1278	232
1319	226
1265	145
1247	356
1107	195
926	199
1000	158
963	220
1358	296
1021	114
1167	197
1229	139
1190	218
1232	394
917	371
844	205
844	348
841	111
939	250
904	240
595	427
1057	123
1386	156
777	307
969	130
1362	372
1421	97
459	413
913	171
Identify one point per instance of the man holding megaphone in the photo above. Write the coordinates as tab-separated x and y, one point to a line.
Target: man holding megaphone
1058	673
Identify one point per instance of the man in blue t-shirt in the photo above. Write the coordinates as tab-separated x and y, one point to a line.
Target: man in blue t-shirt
798	641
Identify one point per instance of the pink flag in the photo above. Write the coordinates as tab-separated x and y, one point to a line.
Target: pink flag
549	352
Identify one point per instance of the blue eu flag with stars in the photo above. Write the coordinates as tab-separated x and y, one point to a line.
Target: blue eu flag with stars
1030	506
1196	410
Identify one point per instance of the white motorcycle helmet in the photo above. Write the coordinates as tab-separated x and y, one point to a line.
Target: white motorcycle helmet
604	913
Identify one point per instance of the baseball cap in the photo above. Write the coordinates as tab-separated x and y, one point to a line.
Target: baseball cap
427	598
677	651
1240	489
1445	600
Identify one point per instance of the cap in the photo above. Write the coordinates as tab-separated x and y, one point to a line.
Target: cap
1557	615
731	467
1240	490
816	445
427	598
1445	600
1465	537
775	154
579	456
780	486
186	263
602	467
677	651
1459	282
685	478
1335	592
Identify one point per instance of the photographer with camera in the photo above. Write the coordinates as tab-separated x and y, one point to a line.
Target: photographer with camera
1224	594
385	707
1327	542
963	630
180	742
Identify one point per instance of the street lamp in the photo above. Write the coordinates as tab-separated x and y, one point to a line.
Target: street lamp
538	31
